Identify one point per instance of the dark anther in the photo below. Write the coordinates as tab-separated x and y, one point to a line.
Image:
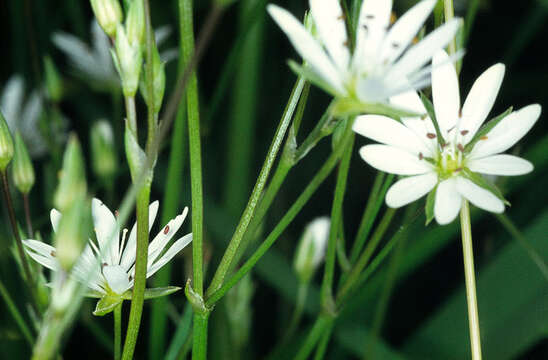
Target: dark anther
345	43
53	253
460	147
103	265
431	136
464	132
166	229
460	112
342	17
130	277
458	169
369	16
116	213
395	45
483	138
365	27
421	156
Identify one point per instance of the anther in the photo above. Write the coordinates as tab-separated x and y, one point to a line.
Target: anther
103	265
458	169
431	136
460	147
460	112
423	117
369	16
53	253
365	27
421	156
483	138
116	213
345	43
464	132
341	17
130	277
395	45
166	229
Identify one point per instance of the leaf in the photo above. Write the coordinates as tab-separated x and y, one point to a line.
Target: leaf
307	73
484	183
485	129
107	304
347	106
429	207
153	293
432	114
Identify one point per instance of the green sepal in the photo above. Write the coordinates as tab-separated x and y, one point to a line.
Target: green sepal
432	114
153	293
348	106
429	207
484	183
107	304
135	155
93	294
196	301
486	128
307	73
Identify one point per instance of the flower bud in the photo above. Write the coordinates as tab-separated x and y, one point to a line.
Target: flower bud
103	152
311	249
135	23
109	15
159	81
72	185
6	144
22	170
128	60
74	229
54	84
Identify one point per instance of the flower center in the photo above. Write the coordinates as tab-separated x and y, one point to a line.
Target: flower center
450	161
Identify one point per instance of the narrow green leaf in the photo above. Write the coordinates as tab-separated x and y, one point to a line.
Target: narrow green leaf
153	293
310	75
485	129
484	183
107	304
432	114
429	208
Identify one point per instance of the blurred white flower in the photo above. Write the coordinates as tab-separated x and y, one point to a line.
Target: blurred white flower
114	273
450	167
311	250
384	63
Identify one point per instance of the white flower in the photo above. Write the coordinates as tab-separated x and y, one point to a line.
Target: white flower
450	168
311	250
384	62
114	273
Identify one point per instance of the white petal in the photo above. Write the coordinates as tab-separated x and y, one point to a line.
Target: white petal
170	253
389	132
479	196
507	165
117	278
160	241
42	253
372	24
307	46
394	160
507	132
106	229
410	189
405	29
448	202
55	217
329	19
480	100
421	53
445	91
409	100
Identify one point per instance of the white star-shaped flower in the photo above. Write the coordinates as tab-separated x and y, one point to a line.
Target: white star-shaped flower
384	62
449	167
114	274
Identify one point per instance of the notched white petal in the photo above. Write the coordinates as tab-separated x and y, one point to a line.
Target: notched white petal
503	164
394	160
478	196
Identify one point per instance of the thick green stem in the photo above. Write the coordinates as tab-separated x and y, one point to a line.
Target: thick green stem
297	206
16	314
470	279
138	298
249	211
199	338
117	332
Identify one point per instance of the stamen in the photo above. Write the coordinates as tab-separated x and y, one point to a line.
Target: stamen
341	17
166	229
431	136
103	265
423	117
365	27
483	138
395	45
421	156
464	132
369	16
116	213
130	277
458	169
124	233
460	113
460	147
53	253
345	43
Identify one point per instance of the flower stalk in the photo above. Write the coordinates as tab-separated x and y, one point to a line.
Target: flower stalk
118	332
470	280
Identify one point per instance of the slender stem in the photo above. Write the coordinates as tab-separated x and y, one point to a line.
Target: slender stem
336	214
249	211
138	298
449	15
470	279
131	113
302	291
28	219
16	314
297	206
322	324
117	331
324	341
152	119
15	230
199	338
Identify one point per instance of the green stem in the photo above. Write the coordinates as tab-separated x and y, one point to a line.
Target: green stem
16	314
470	279
138	298
131	113
28	218
249	211
199	338
322	324
297	206
336	215
117	332
302	291
324	341
449	15
152	119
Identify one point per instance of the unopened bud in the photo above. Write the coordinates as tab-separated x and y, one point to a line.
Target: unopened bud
72	185
22	170
109	15
103	152
135	23
311	249
159	81
6	144
74	229
54	84
128	60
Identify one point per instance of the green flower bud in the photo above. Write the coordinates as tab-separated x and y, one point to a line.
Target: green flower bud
74	229
6	144
109	15
128	61
22	170
135	23
103	152
54	84
311	250
72	185
136	157
159	81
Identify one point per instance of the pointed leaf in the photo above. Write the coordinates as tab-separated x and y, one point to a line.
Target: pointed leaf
153	293
484	130
307	73
107	304
432	114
